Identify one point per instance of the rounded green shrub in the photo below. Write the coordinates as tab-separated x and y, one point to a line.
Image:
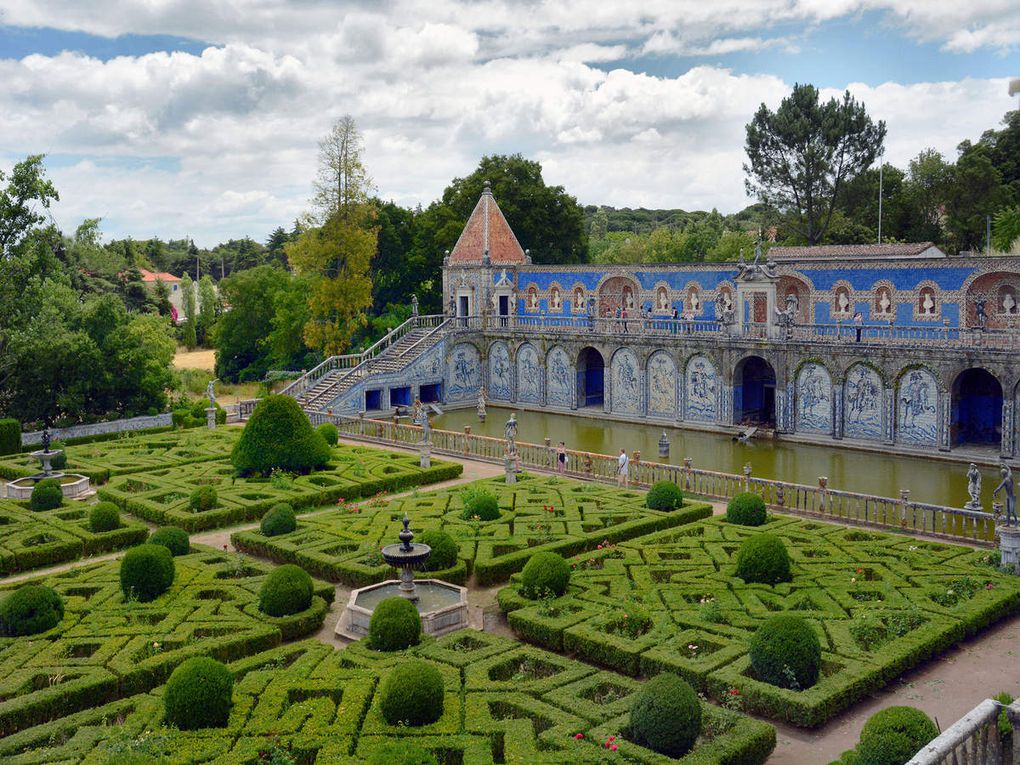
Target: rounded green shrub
412	694
444	550
146	572
664	495
785	652
279	435
104	517
763	559
29	610
403	752
545	573
329	432
279	519
60	461
47	495
893	735
203	498
198	694
479	504
172	538
287	590
666	716
395	625
10	436
746	509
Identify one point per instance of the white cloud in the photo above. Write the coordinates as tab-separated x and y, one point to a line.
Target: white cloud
433	85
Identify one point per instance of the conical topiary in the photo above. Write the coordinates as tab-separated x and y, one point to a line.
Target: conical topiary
279	435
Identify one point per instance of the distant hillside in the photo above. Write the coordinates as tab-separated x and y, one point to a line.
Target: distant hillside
643	221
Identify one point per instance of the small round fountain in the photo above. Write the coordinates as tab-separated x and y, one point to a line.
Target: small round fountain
74	486
442	606
406	556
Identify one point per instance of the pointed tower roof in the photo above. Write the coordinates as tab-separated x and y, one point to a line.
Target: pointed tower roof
487	232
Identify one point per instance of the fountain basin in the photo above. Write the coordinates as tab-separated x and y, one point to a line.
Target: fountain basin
73	485
443	607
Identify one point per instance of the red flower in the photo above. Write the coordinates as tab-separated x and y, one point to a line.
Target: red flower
860	570
613	748
224	547
612	738
578	736
734	692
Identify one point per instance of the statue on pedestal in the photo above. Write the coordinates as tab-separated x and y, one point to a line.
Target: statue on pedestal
1006	487
481	405
973	488
510	431
210	393
414	305
421	419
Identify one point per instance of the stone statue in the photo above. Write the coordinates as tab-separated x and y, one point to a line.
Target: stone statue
421	419
756	271
414	305
46	439
1006	487
973	488
724	309
980	317
510	431
452	307
786	317
211	394
481	405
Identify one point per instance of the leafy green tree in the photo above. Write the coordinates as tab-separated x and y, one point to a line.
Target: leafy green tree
337	255
395	276
209	309
436	229
27	190
929	178
1006	228
732	245
801	155
286	344
190	312
274	247
241	333
546	220
975	193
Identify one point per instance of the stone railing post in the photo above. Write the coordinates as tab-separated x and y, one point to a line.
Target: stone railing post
688	472
823	493
747	477
904	505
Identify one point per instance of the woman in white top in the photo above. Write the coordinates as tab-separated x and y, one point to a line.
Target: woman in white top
622	465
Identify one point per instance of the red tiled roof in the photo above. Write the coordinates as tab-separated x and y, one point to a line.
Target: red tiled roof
487	230
852	251
151	276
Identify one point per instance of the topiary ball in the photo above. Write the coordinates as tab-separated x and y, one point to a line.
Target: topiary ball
395	625
203	498
104	517
279	435
29	610
47	495
666	716
893	735
746	509
329	432
444	550
401	752
59	462
412	694
479	504
664	495
785	652
287	590
763	559
279	519
198	695
545	573
172	538
146	572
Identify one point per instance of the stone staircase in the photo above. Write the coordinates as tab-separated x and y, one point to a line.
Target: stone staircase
317	390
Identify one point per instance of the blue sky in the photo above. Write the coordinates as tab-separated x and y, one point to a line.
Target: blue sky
623	104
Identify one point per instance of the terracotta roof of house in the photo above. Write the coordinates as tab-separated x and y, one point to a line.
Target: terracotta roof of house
487	232
856	251
152	276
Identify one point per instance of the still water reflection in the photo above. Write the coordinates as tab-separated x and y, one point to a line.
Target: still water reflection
872	473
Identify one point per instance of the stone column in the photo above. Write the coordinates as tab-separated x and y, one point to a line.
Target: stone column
1007	427
837	411
944	420
889	424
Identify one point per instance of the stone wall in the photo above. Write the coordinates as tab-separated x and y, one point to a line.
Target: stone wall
99	428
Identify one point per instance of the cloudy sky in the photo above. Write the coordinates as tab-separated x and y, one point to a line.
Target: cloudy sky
201	117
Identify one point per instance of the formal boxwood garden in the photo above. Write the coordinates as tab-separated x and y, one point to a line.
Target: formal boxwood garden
164	496
502	702
535	514
32	539
878	603
107	645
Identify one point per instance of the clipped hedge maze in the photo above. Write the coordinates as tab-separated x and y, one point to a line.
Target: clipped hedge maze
504	703
34	539
107	647
880	603
133	454
536	513
162	496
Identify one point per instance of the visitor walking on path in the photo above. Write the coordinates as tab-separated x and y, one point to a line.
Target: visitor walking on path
561	459
858	325
622	466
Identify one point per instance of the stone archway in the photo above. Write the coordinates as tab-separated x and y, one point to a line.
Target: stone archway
976	416
591	382
754	392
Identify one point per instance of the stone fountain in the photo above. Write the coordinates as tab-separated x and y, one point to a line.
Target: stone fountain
73	485
442	606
